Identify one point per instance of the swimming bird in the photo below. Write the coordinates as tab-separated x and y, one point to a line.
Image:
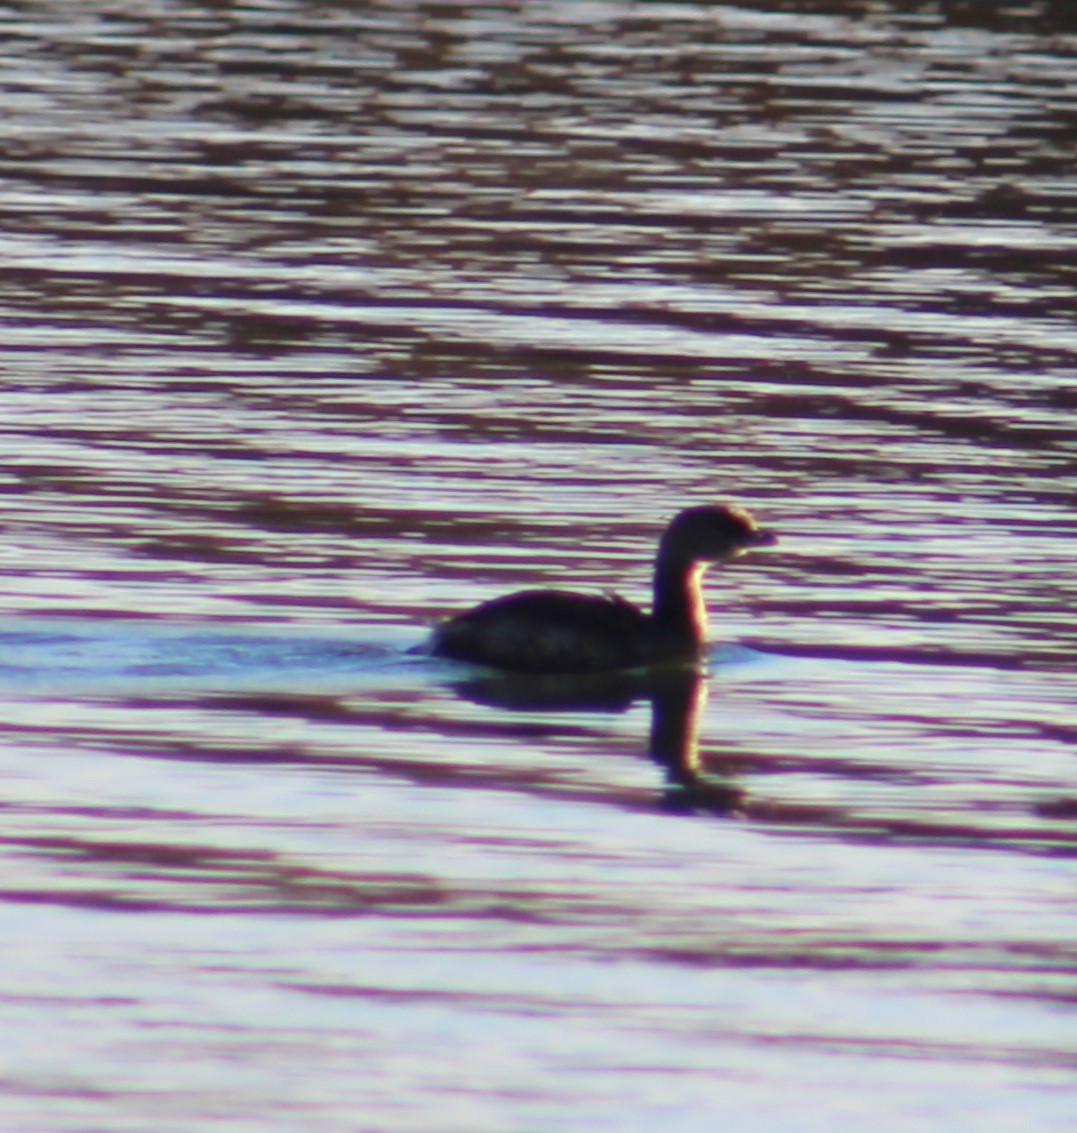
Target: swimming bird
557	631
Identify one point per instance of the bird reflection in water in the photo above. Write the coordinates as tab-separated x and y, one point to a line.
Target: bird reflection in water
678	695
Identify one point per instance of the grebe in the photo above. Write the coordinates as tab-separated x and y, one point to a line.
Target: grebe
555	631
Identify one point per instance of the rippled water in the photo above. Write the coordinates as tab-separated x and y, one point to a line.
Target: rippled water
319	322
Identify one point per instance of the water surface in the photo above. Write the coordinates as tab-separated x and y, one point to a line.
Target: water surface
321	322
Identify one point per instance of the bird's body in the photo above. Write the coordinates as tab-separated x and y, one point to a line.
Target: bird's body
555	631
544	631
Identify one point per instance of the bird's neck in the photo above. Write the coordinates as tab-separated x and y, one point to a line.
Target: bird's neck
678	599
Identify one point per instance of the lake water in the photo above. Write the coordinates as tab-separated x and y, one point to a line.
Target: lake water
319	322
